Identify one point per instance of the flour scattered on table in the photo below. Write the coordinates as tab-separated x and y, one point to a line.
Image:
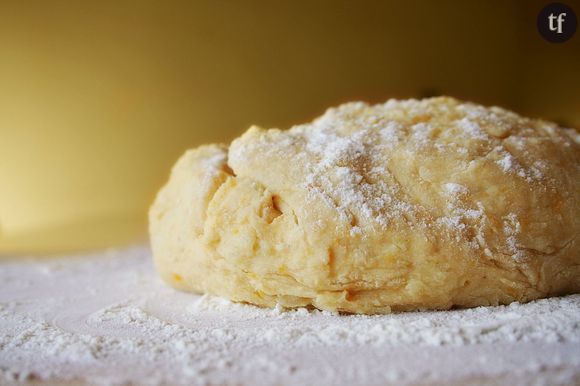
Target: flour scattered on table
93	317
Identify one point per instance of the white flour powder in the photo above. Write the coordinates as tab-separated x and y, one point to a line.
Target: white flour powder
107	319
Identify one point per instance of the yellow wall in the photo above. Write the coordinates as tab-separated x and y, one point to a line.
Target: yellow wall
98	99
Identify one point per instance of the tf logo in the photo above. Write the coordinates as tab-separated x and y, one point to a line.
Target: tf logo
557	22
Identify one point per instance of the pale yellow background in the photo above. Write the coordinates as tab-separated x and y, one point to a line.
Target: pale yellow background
98	99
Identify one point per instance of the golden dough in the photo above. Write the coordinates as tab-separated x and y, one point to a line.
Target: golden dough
407	205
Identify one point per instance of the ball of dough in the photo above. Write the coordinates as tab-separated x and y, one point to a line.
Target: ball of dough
406	205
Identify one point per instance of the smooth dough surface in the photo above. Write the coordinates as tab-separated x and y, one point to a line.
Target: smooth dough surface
406	205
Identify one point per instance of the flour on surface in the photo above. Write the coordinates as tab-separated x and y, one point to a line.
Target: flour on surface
91	318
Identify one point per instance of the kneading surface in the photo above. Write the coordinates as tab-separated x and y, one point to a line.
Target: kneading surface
401	206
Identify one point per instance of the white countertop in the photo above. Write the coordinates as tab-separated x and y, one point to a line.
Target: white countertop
106	318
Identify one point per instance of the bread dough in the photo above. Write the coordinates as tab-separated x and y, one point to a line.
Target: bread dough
406	205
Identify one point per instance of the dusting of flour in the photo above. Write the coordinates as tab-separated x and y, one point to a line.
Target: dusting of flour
91	318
